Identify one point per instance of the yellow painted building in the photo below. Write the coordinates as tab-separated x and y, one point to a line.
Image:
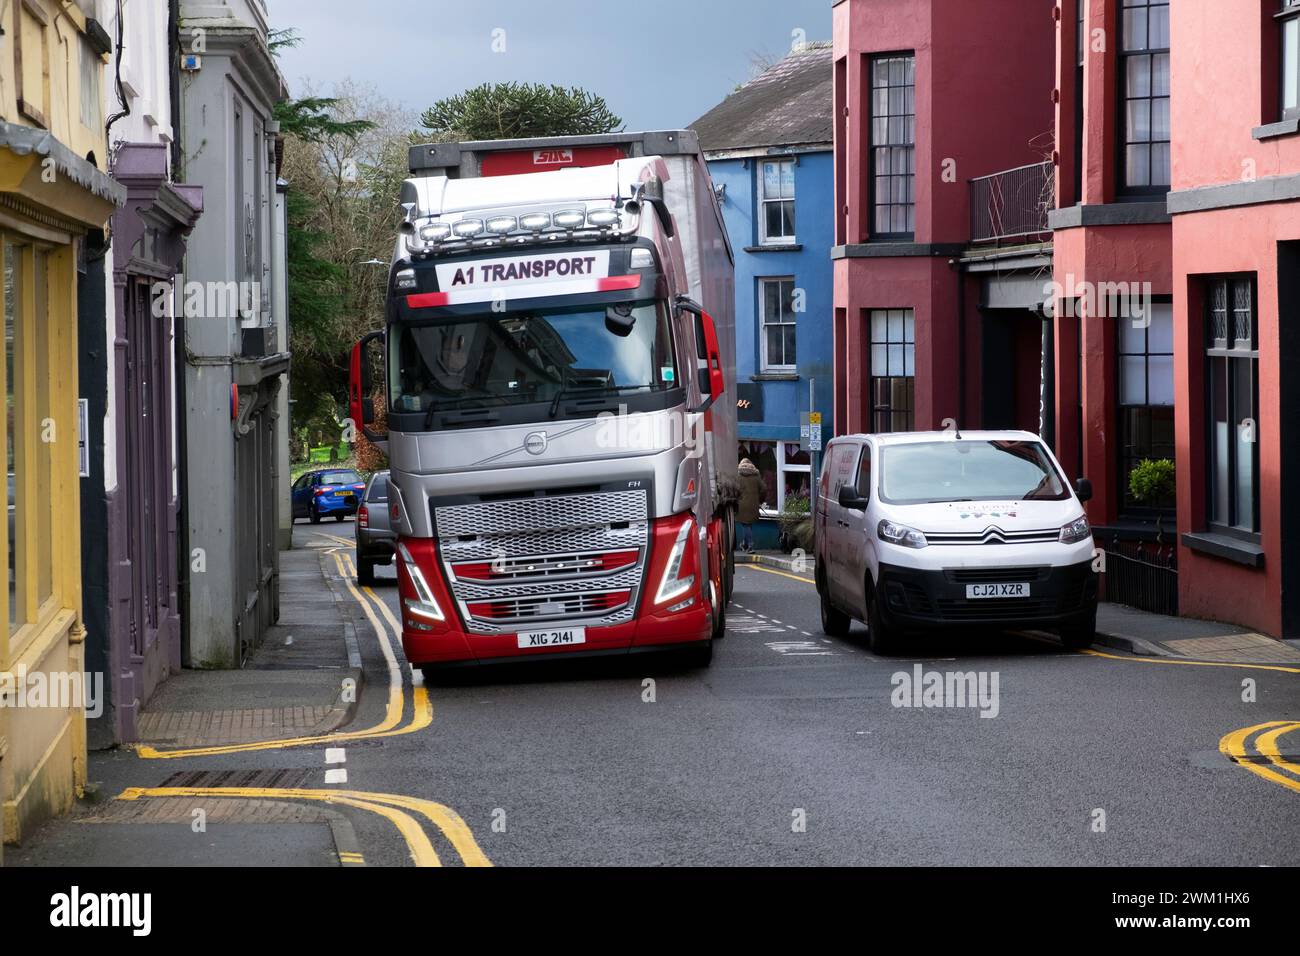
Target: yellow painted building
53	193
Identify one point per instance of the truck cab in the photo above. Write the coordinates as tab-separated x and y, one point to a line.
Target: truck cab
560	416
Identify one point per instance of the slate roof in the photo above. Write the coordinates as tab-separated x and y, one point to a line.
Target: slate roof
789	104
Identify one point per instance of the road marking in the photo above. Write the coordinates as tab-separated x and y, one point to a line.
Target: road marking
417	842
792	577
336	755
1233	746
349	858
336	775
1172	660
422	708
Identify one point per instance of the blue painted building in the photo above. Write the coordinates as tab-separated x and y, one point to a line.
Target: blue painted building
769	147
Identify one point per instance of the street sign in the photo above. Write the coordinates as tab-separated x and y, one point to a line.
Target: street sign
810	431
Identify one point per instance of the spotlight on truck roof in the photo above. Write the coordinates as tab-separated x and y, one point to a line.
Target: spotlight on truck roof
435	232
603	217
468	228
570	218
502	225
536	221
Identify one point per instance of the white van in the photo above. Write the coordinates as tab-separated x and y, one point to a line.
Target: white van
927	530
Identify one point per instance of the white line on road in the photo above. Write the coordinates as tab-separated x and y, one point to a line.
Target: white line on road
338	775
336	755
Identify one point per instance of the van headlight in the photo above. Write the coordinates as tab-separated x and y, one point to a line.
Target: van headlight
900	535
1076	531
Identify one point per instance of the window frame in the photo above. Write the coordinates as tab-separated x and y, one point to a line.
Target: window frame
1288	12
873	199
1226	350
763	360
763	201
1124	462
1124	189
872	378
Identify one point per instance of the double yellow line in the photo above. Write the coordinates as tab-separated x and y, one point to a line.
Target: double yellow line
1265	761
391	807
1237	747
422	708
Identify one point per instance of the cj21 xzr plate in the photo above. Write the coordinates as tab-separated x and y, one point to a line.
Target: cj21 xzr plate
553	638
997	591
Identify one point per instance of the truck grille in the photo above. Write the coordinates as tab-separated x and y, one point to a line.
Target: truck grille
577	557
994	536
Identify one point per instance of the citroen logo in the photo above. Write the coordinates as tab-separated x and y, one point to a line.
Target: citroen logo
535	443
994	535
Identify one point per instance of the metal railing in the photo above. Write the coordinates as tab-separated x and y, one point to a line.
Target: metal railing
1012	204
1141	574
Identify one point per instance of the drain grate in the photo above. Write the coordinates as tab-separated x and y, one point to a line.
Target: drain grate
261	779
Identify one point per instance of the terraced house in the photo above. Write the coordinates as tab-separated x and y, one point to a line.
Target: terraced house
55	201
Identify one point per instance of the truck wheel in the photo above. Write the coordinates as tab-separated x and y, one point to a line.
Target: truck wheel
880	637
1078	636
720	622
365	571
700	656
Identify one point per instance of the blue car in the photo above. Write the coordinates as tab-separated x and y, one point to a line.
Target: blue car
329	491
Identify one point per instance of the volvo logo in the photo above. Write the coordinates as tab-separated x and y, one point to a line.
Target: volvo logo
535	443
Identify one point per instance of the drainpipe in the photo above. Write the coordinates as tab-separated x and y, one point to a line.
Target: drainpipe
960	271
180	361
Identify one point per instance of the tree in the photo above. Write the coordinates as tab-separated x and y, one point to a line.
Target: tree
519	110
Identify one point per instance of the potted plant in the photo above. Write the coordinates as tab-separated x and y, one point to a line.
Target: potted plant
1151	483
795	524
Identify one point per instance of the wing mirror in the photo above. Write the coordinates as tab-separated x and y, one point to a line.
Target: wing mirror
1083	488
851	499
619	319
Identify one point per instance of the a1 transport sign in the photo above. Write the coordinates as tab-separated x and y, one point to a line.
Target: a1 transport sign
530	276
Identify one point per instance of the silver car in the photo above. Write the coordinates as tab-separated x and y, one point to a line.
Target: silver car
376	539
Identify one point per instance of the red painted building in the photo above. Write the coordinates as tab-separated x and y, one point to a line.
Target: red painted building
1169	242
935	279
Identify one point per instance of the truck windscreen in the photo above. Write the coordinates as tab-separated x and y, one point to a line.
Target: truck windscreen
527	356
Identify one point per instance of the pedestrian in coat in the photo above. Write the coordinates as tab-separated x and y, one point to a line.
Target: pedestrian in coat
752	492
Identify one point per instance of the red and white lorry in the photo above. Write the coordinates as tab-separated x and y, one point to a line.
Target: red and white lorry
559	356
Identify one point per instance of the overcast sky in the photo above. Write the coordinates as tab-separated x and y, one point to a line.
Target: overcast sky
659	65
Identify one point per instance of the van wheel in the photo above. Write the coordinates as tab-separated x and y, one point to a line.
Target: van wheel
881	638
1079	636
835	623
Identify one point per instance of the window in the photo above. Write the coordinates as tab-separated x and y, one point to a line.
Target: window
1289	22
777	324
776	201
1144	62
90	97
33	415
893	370
1146	396
1232	360
893	147
864	472
785	468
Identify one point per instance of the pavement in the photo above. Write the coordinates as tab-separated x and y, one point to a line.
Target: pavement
792	748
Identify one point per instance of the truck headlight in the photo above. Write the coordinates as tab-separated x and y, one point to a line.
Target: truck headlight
1076	531
900	535
424	603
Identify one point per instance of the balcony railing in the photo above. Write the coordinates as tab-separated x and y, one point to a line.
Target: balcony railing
1012	204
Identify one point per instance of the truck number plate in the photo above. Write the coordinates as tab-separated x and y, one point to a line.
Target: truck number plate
567	635
997	591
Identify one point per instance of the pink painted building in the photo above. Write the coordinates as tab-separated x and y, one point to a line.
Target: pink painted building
1178	189
1082	218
